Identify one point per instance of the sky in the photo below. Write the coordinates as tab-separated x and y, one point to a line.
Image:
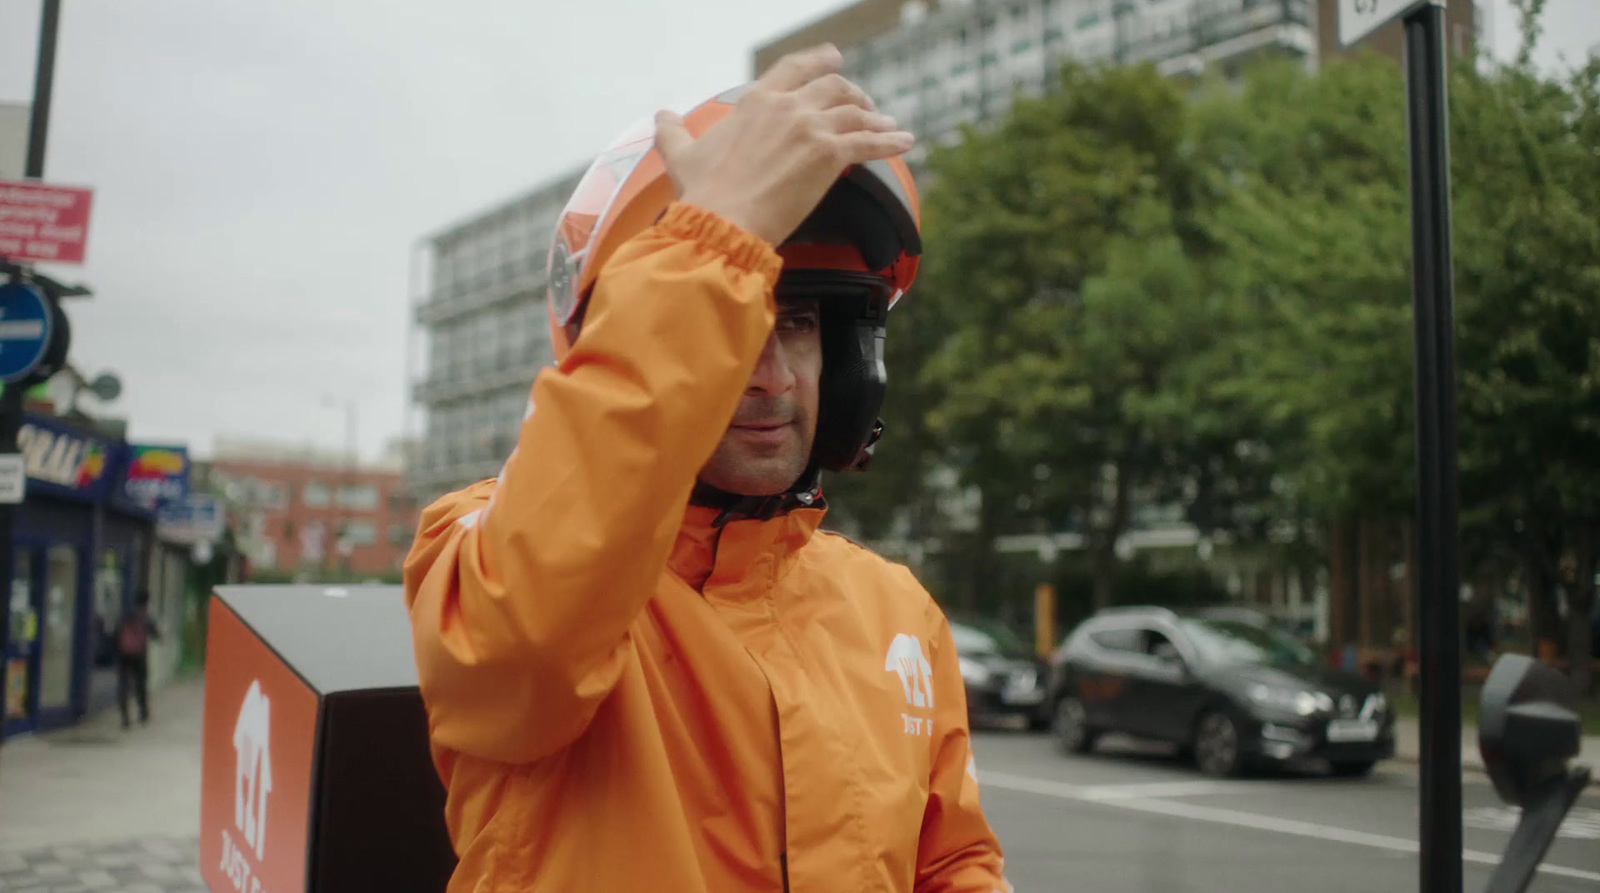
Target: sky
264	171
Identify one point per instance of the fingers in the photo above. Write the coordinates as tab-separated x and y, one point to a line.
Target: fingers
850	118
870	145
798	69
831	90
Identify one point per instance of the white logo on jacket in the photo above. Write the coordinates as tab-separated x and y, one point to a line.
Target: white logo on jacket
907	660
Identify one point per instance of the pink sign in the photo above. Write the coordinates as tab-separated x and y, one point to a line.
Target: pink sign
40	222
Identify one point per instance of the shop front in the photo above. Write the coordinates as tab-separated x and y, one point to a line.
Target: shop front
80	548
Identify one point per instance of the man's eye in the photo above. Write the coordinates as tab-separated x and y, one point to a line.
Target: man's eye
800	322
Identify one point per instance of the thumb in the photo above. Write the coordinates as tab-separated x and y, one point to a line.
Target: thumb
672	137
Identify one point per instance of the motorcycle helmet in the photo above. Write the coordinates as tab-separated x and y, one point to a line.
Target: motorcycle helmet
857	253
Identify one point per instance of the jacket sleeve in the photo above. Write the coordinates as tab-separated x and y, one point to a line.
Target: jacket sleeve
521	591
958	852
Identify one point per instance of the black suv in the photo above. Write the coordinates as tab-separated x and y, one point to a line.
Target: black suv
1228	690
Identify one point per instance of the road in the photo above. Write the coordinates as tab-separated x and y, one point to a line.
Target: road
1133	818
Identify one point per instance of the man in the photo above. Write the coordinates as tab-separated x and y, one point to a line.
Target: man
644	667
134	632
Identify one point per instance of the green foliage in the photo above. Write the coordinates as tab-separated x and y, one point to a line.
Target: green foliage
1138	292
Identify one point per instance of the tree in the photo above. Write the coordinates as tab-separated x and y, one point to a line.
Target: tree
1528	274
1316	255
1062	266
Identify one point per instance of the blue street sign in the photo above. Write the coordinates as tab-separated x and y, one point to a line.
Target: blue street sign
24	330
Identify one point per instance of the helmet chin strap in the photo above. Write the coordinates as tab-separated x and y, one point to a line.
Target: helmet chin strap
805	492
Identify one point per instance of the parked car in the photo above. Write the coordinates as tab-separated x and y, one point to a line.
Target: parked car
1229	691
1003	677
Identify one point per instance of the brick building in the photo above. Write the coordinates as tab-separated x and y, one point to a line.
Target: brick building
315	514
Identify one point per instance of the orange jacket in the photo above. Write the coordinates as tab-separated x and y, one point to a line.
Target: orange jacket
622	697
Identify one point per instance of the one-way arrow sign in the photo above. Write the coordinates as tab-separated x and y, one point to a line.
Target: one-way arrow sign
1358	18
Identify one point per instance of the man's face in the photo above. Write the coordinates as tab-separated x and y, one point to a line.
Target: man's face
768	444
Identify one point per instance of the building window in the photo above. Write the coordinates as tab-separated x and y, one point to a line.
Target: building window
400	534
401	503
988	59
359	533
1052	35
1022	46
1088	20
361	497
270	495
960	69
315	494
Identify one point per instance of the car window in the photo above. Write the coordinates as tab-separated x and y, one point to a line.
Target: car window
995	640
1115	639
1156	644
971	641
1232	642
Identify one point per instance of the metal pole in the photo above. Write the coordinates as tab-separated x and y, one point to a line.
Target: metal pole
43	81
1438	590
11	399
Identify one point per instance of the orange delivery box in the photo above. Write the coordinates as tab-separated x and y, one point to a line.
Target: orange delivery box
315	774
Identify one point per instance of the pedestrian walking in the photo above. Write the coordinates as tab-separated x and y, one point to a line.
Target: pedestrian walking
134	632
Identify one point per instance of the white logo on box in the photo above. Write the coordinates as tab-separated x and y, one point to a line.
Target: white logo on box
253	768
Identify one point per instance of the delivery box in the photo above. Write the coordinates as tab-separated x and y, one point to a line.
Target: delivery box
316	775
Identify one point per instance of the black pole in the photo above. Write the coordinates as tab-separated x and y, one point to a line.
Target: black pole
43	81
1438	590
11	399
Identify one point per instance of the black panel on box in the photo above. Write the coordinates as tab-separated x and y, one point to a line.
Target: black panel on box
338	638
379	806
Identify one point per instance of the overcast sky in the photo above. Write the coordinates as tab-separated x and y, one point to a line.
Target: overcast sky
262	171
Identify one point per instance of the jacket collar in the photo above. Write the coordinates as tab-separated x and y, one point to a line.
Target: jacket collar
740	557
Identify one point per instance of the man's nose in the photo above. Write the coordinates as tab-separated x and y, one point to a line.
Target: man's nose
772	374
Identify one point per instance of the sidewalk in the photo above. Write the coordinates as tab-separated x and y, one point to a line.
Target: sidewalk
1406	747
94	807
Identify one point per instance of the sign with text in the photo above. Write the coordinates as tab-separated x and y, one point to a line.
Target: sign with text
1359	18
40	222
156	474
13	478
66	460
196	518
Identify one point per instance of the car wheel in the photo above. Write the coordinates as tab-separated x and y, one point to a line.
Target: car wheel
1072	726
1353	768
1217	749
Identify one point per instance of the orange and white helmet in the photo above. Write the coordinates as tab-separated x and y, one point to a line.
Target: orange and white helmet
873	209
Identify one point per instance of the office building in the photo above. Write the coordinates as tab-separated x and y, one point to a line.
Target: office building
485	327
936	66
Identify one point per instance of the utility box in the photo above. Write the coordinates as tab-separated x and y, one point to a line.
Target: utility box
316	773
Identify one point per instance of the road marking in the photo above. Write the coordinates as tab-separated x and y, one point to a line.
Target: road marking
1582	823
1162	789
1103	794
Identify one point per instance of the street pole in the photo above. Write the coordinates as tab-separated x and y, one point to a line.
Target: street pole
1438	589
11	401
